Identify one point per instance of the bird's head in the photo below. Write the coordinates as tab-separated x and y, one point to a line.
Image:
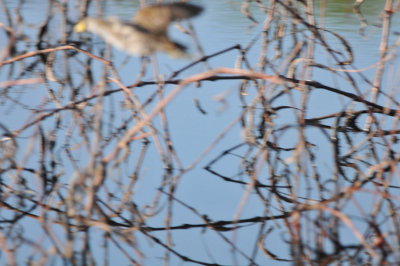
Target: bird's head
81	26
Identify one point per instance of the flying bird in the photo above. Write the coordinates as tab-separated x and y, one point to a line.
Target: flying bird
148	31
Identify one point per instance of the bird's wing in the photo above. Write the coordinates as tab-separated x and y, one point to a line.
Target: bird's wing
156	18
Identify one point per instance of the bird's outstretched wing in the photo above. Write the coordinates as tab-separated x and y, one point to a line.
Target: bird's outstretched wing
156	18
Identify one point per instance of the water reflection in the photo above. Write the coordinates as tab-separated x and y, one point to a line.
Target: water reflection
139	156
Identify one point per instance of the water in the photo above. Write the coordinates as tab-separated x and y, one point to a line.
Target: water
191	131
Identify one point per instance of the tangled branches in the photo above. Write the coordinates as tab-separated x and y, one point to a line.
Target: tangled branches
298	164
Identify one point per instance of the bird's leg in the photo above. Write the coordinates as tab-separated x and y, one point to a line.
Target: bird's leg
144	61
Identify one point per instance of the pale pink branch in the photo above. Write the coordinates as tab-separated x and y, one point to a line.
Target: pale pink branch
356	233
8	252
49	50
194	78
10	83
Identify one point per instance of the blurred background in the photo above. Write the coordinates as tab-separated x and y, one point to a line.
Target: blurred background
117	160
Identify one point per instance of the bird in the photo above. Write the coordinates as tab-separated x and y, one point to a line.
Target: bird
147	33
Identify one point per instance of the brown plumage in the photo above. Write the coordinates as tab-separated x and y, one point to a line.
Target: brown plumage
157	18
147	33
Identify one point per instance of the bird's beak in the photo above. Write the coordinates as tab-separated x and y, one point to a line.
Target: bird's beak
80	27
